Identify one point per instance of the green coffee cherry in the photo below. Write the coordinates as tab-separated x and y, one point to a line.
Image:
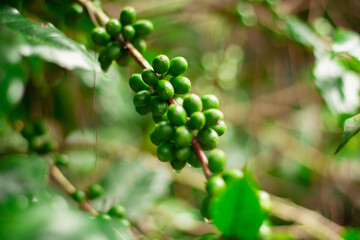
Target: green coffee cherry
182	136
217	160
204	210
192	103
183	153
143	110
117	211
128	16
150	77
181	84
124	59
104	216
179	100
95	191
232	175
161	118
164	90
137	84
177	115
220	128
166	151
62	160
158	107
128	32
125	222
193	160
142	98
76	9
161	64
215	185
143	28
178	66
100	36
104	61
79	195
155	138
177	164
210	101
213	116
113	51
208	138
113	27
140	44
165	130
197	120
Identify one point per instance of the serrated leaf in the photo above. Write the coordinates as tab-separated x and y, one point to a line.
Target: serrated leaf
351	128
47	42
237	211
21	175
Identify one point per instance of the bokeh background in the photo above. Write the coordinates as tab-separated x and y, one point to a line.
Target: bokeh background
284	88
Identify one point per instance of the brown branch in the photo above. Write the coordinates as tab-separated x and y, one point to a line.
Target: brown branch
59	178
141	61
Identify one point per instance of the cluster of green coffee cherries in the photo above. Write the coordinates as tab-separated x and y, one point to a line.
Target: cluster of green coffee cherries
131	30
177	124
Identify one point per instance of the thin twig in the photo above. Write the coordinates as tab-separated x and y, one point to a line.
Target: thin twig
141	61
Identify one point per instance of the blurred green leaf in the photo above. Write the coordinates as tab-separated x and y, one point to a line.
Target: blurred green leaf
21	175
351	128
347	42
237	211
351	234
47	42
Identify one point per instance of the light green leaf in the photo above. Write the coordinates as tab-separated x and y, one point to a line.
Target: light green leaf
351	128
47	42
237	211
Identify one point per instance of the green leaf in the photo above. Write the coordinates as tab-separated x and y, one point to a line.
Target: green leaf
21	175
351	234
351	128
346	41
302	33
237	211
47	42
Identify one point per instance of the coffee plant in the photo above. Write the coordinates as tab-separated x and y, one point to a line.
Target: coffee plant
75	159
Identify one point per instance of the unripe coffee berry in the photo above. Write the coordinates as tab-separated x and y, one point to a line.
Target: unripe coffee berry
113	51
179	100
105	61
79	195
208	138
155	137
232	175
213	116
125	222
140	44
158	119
177	115
215	185
193	160
113	27
181	84
158	107
95	191
165	130
182	136
150	77
217	160
177	164
210	101
161	64
192	103
164	90
143	28
104	217
142	98
117	211
137	84
128	32
128	16
205	205
62	160
143	110
100	36
220	128
166	151
178	66
183	153
197	120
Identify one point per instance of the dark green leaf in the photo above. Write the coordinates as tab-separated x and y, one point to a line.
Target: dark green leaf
47	42
351	128
237	211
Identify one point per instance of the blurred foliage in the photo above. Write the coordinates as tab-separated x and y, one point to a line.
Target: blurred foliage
287	76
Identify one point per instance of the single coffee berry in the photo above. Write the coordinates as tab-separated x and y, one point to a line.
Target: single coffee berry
161	64
197	120
232	175
182	136
117	211
143	110
79	195
213	116
183	153
177	164
217	160
62	160
142	98
220	128
166	151
178	66
128	16
100	36
215	184
192	103
95	191
140	44
128	32
181	84
113	27
193	160
208	138
177	115
210	101
150	77
164	90
113	51
158	107
137	84
143	28
165	130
